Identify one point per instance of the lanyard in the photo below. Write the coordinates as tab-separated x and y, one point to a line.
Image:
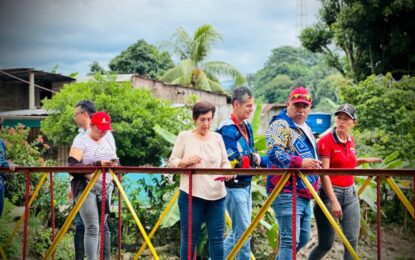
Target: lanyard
244	134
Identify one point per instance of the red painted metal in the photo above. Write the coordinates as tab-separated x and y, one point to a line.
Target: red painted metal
119	218
52	205
119	170
220	171
102	222
294	216
189	217
26	213
379	234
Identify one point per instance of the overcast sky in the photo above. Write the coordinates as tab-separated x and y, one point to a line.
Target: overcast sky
73	33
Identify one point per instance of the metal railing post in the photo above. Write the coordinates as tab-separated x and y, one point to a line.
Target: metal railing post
52	205
26	213
379	213
330	218
259	216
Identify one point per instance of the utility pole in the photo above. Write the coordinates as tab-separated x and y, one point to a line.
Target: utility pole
301	16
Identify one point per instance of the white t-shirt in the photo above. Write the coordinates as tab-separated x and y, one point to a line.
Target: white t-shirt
307	130
93	151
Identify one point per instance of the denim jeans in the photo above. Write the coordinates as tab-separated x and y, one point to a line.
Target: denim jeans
210	211
79	238
1	195
91	220
239	207
282	206
350	222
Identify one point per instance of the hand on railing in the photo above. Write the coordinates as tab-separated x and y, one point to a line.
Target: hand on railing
112	162
311	164
12	166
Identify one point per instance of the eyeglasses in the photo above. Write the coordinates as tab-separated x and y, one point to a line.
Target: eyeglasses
78	113
301	96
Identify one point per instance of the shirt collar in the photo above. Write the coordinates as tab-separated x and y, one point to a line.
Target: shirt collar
336	137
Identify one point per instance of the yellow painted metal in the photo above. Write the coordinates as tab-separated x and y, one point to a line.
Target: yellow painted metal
363	187
228	219
2	254
259	216
162	216
137	220
330	218
401	196
228	222
32	199
72	215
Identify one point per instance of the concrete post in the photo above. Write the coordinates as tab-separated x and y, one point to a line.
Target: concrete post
32	91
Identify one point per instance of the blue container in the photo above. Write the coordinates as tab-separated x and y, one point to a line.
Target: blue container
319	122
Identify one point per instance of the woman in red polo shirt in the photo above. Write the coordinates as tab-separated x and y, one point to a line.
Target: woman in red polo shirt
337	150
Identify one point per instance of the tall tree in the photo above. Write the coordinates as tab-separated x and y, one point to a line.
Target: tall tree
193	69
286	68
386	115
376	36
142	58
94	67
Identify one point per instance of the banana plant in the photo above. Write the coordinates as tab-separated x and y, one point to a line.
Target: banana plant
368	196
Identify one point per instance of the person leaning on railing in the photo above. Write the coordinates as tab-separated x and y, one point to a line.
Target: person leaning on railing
84	110
201	148
337	150
291	144
238	137
3	163
93	149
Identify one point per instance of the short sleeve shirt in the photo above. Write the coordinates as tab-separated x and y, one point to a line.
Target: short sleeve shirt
341	155
104	149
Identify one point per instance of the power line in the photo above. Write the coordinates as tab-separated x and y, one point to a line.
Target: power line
25	81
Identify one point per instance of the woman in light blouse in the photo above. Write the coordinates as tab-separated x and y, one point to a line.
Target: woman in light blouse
202	148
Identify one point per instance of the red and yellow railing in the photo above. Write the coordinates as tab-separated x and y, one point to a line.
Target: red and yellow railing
286	175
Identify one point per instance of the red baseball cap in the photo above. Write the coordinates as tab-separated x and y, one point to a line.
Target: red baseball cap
101	120
300	95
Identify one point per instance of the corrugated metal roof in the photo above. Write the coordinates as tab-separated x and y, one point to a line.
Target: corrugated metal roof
40	76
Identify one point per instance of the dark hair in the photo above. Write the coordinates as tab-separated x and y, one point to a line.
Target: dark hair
201	108
87	106
239	94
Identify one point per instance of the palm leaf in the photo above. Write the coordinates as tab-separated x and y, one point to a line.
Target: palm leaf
203	40
171	74
180	44
216	86
222	68
202	82
181	74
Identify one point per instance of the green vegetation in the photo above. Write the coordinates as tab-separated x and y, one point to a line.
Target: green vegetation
288	67
141	58
24	153
376	37
133	112
386	116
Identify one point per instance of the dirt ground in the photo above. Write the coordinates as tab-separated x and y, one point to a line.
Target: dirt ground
396	244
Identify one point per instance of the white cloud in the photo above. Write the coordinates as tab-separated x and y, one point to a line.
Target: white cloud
73	33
